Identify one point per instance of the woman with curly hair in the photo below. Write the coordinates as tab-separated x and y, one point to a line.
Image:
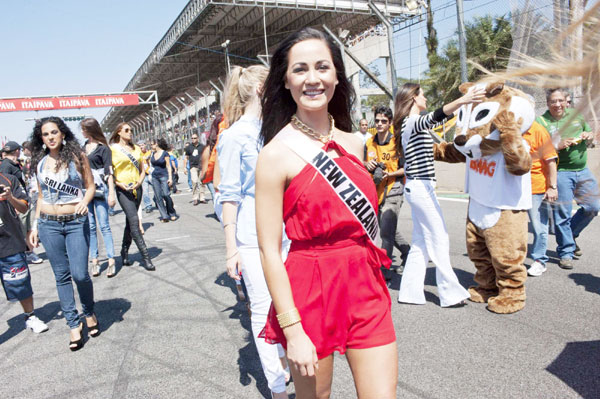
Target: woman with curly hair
128	172
65	187
99	155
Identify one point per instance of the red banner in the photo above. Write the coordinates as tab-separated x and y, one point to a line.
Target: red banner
47	103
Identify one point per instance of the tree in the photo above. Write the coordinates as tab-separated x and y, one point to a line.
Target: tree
489	42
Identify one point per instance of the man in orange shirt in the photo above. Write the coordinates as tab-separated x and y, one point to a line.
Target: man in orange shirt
543	189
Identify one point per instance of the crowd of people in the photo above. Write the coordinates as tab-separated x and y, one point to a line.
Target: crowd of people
58	193
310	213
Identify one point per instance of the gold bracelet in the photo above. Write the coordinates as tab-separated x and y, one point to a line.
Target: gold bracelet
288	318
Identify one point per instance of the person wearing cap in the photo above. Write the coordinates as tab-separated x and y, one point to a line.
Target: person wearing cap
14	272
10	162
10	166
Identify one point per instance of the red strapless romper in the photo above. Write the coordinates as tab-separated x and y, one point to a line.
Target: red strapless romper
333	267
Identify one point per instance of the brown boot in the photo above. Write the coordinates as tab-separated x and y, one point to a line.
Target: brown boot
481	295
510	300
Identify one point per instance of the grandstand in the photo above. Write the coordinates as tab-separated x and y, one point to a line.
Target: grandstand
191	56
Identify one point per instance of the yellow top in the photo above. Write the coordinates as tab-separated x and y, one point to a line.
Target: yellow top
385	153
124	170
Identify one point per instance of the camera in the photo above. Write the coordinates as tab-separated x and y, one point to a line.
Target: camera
378	173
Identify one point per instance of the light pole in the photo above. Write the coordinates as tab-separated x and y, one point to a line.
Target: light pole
225	45
462	41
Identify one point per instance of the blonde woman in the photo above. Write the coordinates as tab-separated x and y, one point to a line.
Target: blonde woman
237	149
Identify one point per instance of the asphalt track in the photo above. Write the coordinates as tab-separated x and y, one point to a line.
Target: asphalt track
181	333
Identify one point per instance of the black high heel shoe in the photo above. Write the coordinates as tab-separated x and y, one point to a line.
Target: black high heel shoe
94	330
78	344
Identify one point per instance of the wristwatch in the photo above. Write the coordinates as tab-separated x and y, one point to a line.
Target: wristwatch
553	186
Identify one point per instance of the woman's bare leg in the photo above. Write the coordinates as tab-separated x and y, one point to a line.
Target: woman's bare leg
375	371
317	387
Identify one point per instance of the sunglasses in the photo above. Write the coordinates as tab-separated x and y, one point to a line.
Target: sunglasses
384	121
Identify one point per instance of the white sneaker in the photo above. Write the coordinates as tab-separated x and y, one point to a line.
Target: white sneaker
36	325
33	258
536	269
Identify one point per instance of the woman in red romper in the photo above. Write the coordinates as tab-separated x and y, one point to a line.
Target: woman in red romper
330	294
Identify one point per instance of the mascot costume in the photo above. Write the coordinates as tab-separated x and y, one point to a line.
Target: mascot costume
498	182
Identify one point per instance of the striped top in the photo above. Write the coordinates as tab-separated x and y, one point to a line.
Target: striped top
417	144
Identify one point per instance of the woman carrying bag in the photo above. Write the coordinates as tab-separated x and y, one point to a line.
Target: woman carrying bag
100	157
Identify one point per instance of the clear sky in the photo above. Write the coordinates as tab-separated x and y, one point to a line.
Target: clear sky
95	46
74	47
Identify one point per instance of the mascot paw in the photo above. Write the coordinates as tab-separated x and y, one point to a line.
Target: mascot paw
505	123
508	301
481	295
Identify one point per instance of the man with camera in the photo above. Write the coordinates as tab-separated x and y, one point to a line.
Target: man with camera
14	272
10	166
388	174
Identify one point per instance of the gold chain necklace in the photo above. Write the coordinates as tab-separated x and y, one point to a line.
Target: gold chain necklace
309	131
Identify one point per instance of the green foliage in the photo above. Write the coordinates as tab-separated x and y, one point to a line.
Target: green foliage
489	42
375	100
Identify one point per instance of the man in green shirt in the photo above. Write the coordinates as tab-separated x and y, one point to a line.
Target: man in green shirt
570	133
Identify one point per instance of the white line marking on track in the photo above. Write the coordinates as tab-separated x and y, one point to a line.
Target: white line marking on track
172	238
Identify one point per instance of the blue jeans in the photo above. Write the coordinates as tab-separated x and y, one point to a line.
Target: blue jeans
538	215
162	196
99	208
146	193
189	176
67	245
581	186
211	188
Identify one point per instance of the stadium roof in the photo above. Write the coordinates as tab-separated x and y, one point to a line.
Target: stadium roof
190	53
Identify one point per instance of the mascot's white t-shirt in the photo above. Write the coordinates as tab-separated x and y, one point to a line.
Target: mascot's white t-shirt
489	183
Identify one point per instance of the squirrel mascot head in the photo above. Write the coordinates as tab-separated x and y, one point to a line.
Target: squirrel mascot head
479	123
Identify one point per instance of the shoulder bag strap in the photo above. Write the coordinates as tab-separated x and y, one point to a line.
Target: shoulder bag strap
348	193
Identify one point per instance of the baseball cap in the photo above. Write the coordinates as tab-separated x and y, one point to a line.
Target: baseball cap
11	146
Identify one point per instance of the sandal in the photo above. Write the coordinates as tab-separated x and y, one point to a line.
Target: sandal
95	268
173	218
78	344
94	330
110	271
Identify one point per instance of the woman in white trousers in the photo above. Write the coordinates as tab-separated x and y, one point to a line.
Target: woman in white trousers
429	236
237	150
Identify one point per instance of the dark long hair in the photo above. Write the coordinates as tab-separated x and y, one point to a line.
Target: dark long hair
162	144
402	105
92	129
277	103
70	151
